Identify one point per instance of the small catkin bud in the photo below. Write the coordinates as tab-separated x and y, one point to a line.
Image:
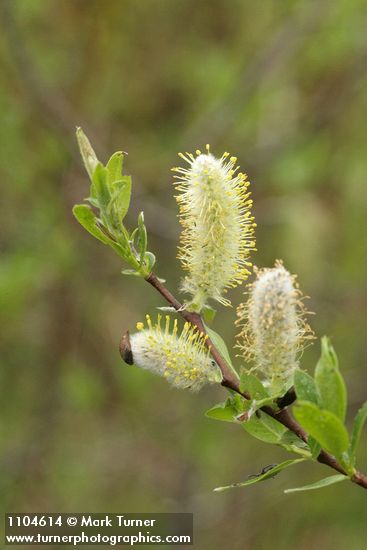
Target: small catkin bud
218	228
183	359
274	330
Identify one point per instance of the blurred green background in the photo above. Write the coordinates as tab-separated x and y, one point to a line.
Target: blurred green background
280	84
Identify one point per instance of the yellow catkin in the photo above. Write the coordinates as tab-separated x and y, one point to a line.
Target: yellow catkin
183	360
218	227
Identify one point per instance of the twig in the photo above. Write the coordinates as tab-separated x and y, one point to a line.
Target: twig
231	381
287	399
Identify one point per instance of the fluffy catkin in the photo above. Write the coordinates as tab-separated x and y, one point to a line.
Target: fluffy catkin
182	359
273	326
218	228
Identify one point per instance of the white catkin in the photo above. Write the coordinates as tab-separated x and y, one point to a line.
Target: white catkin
273	324
182	359
218	228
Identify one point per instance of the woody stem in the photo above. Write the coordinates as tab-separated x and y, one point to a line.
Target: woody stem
231	381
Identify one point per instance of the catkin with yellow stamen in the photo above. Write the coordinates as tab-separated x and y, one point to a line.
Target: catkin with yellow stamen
218	228
273	325
183	359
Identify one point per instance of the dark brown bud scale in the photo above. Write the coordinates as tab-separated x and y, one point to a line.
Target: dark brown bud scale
125	349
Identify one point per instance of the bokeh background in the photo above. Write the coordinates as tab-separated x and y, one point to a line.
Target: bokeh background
280	84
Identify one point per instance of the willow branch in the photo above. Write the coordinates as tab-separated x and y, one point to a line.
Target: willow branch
231	381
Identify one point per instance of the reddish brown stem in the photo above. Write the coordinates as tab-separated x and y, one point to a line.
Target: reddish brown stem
230	380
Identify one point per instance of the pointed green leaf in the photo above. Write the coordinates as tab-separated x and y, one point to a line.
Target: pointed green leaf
305	387
142	238
267	475
86	150
358	424
324	426
319	484
251	384
141	220
329	381
114	167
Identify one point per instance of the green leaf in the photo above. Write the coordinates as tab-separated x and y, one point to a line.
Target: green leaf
226	411
208	313
329	381
87	218
131	272
324	426
141	220
267	475
114	167
305	387
88	155
265	428
100	187
133	235
259	394
293	444
119	200
219	343
149	261
255	404
306	390
142	238
318	484
279	387
94	202
358	424
315	446
251	384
